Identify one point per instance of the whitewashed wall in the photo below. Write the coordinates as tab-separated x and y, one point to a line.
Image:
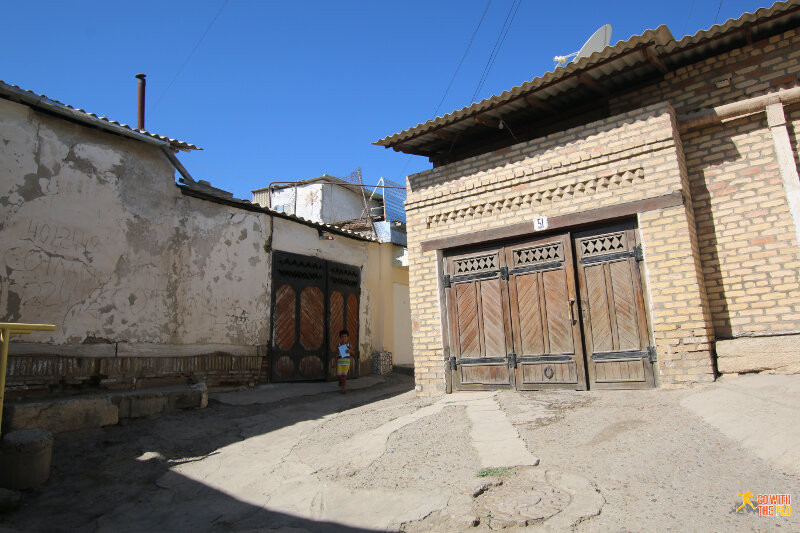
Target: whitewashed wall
96	238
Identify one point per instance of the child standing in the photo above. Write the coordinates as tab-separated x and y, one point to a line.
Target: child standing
343	358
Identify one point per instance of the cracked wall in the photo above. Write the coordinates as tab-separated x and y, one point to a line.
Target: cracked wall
98	240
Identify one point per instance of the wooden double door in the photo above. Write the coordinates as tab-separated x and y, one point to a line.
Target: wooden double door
562	311
313	300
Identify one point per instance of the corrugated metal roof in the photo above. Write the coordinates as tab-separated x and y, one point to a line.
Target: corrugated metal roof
17	94
206	192
618	64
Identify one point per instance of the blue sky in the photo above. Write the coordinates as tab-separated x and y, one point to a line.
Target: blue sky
292	90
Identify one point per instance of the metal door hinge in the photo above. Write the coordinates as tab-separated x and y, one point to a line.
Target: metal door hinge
651	354
512	360
446	281
453	365
638	252
504	273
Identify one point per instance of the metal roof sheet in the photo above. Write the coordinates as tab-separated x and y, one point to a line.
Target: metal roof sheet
611	62
206	192
15	93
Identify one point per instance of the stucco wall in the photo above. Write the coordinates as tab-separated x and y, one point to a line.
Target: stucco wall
98	240
340	204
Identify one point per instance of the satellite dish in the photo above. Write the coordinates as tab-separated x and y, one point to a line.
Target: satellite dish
599	40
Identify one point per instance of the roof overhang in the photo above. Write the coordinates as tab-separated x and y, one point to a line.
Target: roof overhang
581	88
54	107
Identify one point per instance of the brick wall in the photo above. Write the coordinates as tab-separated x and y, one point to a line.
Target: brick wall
31	375
747	241
628	157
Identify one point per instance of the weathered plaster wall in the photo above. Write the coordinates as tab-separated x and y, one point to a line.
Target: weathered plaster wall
340	204
307	203
295	238
98	240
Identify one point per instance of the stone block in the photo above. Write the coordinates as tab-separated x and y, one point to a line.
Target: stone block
774	355
25	457
60	415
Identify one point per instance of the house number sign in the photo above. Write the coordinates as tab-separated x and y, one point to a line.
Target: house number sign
540	223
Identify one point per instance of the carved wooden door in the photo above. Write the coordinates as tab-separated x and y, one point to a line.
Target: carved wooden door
344	282
313	300
298	326
614	321
548	351
478	320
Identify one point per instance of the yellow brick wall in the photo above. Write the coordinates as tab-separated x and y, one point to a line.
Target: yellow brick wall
629	157
746	235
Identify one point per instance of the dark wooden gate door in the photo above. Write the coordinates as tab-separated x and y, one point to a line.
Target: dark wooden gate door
313	300
299	345
344	282
547	339
479	333
614	321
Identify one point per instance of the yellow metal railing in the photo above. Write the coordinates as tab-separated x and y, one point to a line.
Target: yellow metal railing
6	329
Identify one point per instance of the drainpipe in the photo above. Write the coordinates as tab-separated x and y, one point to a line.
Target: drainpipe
140	108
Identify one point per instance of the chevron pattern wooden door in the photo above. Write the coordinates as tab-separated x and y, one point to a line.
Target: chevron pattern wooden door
547	336
612	308
519	315
478	303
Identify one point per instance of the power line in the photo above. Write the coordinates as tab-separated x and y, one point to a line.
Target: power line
512	12
191	53
686	24
452	79
718	9
469	45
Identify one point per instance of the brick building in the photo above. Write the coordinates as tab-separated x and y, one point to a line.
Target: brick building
626	221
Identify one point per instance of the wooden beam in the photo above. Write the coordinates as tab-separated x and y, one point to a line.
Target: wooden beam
592	84
590	216
489	122
540	104
442	136
652	56
747	29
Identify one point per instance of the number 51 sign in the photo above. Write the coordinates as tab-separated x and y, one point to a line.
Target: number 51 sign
540	223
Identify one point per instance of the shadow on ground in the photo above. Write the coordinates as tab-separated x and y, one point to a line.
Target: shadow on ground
107	479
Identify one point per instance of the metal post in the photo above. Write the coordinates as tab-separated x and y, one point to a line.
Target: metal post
4	334
6	329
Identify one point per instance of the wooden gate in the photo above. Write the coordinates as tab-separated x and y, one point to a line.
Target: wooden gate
614	322
311	298
514	314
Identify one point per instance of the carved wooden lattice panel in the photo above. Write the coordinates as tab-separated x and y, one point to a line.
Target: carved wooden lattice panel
543	253
474	265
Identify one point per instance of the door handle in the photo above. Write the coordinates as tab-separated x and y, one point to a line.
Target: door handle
571	312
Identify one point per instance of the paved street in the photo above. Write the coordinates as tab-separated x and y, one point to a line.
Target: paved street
306	458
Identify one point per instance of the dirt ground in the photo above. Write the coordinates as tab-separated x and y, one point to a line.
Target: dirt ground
646	464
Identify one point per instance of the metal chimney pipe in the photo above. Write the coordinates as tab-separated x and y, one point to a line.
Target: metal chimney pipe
140	114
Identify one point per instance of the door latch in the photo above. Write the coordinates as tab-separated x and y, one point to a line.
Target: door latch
512	360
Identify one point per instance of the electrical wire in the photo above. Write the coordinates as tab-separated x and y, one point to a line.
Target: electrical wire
718	9
160	98
686	24
452	79
512	12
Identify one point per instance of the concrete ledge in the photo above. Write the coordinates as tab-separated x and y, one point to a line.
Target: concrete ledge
83	412
772	355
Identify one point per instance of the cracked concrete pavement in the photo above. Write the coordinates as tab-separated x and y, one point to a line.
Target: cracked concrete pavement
306	458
